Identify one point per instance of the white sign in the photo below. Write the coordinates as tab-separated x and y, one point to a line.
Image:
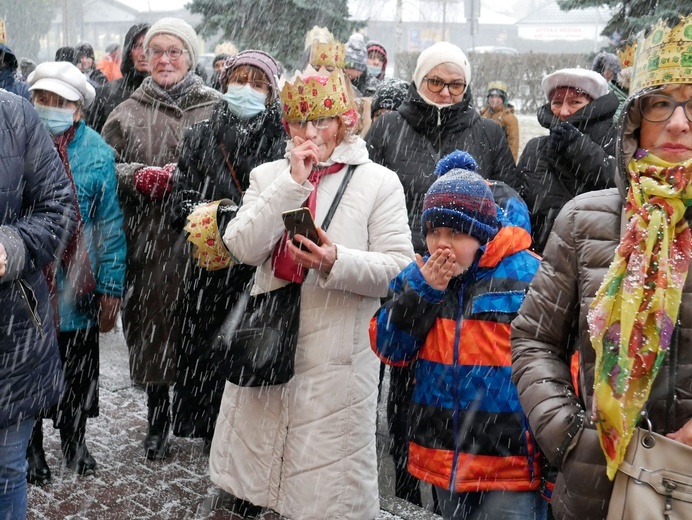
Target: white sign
559	32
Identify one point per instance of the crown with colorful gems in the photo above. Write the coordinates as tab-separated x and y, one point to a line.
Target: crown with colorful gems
208	248
626	55
312	94
664	56
325	51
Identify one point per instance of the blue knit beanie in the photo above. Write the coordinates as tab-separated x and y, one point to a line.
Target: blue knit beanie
460	199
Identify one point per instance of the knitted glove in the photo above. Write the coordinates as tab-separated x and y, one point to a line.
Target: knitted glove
562	135
154	181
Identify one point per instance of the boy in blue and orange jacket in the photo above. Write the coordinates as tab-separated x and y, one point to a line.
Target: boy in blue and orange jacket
450	315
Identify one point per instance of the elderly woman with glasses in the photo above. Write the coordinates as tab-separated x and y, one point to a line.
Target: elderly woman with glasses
614	286
436	118
146	132
306	448
243	131
579	153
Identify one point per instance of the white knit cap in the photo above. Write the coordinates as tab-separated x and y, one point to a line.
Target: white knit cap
585	80
441	52
64	79
180	29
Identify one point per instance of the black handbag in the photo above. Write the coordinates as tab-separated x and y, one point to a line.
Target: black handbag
256	344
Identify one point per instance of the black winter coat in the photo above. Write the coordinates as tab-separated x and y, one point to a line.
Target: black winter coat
112	94
413	139
587	164
36	220
203	176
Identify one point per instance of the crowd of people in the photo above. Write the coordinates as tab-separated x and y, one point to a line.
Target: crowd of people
517	295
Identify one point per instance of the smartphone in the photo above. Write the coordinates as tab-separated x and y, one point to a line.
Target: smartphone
299	222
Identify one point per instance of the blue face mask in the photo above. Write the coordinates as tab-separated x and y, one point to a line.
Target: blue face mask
56	120
244	101
374	71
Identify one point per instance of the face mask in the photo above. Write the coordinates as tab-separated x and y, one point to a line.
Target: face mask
56	120
244	101
374	71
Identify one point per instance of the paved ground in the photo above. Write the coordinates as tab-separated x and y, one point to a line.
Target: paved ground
127	486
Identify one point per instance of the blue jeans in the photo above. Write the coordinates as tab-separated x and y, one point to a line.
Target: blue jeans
492	505
13	443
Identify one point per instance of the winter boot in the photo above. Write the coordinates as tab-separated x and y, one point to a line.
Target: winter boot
74	450
38	472
158	417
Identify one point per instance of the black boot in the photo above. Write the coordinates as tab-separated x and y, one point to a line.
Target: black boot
38	472
74	450
158	417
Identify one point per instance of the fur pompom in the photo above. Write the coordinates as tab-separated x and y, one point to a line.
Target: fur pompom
457	160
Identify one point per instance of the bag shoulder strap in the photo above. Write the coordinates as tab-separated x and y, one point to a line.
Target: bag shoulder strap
229	165
337	197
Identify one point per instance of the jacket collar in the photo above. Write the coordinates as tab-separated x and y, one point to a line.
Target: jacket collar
601	109
425	119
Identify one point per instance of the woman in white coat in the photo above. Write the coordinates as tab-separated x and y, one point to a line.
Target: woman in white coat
306	449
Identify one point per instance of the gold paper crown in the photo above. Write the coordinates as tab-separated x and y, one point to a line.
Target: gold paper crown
665	56
314	94
208	248
498	85
3	36
325	51
626	55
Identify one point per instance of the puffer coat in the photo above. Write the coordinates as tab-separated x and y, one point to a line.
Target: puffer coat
306	449
413	139
552	325
587	164
147	130
38	217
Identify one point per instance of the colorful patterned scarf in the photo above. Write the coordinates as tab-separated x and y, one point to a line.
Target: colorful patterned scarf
632	318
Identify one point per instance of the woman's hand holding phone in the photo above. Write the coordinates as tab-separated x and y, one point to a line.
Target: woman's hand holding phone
311	256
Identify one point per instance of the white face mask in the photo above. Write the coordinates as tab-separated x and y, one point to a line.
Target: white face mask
244	101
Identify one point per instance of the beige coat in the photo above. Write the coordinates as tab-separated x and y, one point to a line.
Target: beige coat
306	449
509	123
147	131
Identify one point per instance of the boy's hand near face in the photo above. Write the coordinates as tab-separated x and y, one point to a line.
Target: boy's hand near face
439	269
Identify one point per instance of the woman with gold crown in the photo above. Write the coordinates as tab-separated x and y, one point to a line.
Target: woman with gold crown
306	449
614	287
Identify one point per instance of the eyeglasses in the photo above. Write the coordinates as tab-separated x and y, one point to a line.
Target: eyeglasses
657	108
320	124
172	53
436	85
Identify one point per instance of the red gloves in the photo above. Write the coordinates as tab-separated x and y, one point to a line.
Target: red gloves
154	181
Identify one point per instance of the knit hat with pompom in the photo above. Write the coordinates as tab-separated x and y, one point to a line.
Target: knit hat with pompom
460	199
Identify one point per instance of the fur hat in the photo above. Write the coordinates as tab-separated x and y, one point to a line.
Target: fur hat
356	53
390	94
588	81
63	79
460	199
441	52
180	29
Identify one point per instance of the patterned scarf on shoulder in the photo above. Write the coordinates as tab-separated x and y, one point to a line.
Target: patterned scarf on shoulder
632	318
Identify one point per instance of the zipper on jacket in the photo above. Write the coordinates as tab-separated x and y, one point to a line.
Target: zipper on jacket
32	304
455	376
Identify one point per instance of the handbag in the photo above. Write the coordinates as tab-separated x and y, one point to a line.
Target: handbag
256	344
654	480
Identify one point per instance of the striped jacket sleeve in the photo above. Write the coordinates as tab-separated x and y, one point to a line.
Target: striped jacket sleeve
400	327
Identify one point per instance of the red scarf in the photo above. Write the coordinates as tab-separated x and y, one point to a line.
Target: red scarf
283	265
75	259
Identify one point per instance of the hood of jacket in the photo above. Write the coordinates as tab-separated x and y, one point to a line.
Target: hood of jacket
12	61
429	120
599	110
127	66
200	95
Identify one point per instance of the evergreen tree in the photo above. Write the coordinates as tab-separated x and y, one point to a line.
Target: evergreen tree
631	16
25	23
275	26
